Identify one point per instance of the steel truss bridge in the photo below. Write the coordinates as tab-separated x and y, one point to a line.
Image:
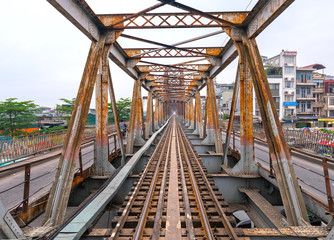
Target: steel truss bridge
177	177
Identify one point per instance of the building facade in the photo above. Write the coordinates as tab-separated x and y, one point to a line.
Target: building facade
281	74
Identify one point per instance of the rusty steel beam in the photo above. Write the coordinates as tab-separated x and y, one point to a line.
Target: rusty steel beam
116	116
263	13
191	114
212	126
198	119
60	191
232	114
101	166
246	165
173	52
81	15
149	116
278	148
171	20
228	54
156	114
137	14
167	45
119	57
182	42
177	68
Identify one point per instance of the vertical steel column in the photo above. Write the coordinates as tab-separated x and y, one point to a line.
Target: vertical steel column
149	116
187	114
156	115
191	114
212	127
101	166
198	120
131	128
285	175
60	192
138	133
231	117
116	117
246	165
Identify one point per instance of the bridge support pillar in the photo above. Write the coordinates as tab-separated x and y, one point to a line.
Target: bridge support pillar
149	116
246	165
60	191
231	117
134	137
115	113
191	114
198	115
156	115
213	134
101	166
279	151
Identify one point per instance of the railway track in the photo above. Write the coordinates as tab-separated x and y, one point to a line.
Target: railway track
173	198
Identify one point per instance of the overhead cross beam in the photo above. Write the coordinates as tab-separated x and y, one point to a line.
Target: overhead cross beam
172	20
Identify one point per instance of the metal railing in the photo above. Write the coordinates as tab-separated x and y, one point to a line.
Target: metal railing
316	141
308	140
31	191
15	148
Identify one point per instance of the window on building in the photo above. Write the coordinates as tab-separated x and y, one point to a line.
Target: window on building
288	112
273	86
309	104
331	113
298	76
288	70
288	98
331	101
289	59
297	90
276	99
288	84
308	90
308	76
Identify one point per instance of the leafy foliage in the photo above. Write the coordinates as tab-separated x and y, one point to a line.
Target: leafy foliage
65	110
123	109
15	116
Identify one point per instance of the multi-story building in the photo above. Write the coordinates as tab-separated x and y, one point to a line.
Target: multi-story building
304	92
281	74
319	91
329	97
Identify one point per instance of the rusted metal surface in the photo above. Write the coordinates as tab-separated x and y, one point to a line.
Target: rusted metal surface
60	191
149	115
147	199
285	175
328	187
171	20
116	117
212	125
26	188
199	117
231	117
101	166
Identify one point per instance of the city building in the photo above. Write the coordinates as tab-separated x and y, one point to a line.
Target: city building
304	93
281	74
329	97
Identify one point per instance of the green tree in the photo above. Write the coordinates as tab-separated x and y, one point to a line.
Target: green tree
15	116
64	111
123	108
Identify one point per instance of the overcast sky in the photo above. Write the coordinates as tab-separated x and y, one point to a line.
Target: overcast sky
42	55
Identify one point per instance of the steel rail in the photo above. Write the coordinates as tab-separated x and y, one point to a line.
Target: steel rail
157	219
187	208
144	214
204	217
129	204
227	225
